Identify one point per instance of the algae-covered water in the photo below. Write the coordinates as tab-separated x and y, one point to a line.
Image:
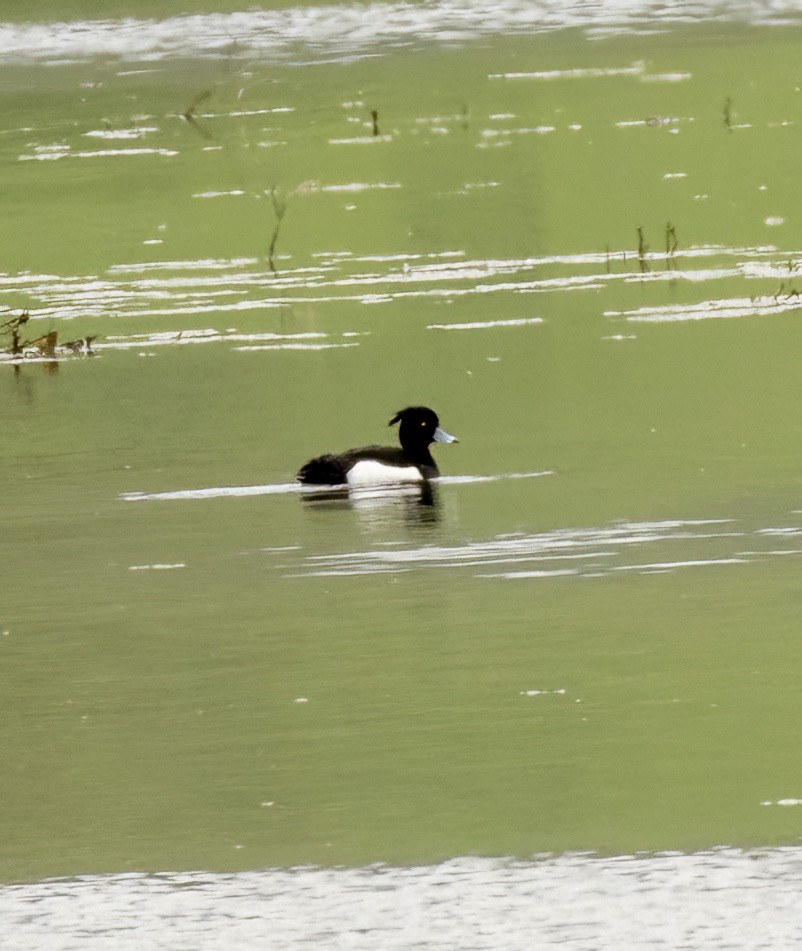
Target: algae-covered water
576	235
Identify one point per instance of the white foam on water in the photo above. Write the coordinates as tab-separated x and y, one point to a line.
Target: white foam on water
689	563
361	187
665	77
470	479
599	72
202	264
362	140
189	337
227	491
485	324
723	309
242	113
218	492
298	346
716	899
534	573
224	194
101	153
136	133
158	566
341	33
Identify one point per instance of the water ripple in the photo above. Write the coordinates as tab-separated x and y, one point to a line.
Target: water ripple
640	547
585	544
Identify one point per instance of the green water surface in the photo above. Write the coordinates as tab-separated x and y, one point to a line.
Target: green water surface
241	708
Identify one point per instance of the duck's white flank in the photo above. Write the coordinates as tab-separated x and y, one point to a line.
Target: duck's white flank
368	472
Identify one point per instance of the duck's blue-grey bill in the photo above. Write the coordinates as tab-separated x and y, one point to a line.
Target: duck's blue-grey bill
440	435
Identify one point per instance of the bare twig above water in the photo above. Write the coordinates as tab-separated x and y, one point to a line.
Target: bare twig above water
728	113
643	250
672	244
279	200
279	203
12	326
83	345
189	113
46	345
785	293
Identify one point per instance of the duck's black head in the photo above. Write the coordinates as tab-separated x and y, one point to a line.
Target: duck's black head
419	428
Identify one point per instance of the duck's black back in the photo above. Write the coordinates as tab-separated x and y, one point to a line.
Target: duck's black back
324	470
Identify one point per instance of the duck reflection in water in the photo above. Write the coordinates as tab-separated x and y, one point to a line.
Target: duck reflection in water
416	503
372	476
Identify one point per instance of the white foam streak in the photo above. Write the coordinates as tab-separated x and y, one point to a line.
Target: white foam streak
361	187
228	491
219	492
112	134
484	324
637	69
665	77
300	346
556	573
202	264
187	337
158	566
690	563
470	479
711	309
101	153
362	140
232	192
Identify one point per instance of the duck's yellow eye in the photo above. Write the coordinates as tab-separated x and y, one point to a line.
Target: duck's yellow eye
423	423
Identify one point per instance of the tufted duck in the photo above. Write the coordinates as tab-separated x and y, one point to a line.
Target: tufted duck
384	465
